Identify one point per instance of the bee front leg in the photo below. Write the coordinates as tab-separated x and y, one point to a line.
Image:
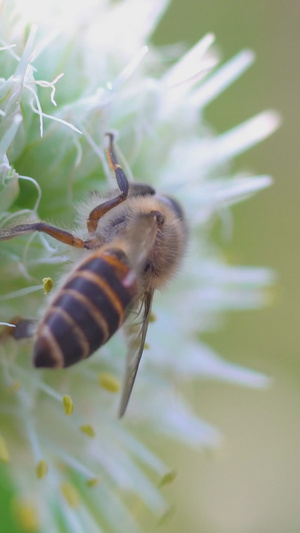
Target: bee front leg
21	328
57	233
123	185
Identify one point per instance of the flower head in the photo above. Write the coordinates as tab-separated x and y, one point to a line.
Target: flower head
67	79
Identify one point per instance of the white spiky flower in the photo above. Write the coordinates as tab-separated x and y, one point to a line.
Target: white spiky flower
51	155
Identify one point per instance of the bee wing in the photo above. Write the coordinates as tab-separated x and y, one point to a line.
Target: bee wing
141	238
136	333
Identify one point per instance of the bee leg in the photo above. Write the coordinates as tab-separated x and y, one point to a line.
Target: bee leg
57	233
123	185
24	328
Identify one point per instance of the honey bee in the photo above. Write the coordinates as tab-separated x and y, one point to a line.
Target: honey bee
136	241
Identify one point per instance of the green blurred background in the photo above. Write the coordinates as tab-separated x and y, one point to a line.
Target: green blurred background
251	485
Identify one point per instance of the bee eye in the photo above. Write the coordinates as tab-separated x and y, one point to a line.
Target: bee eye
176	208
174	205
147	266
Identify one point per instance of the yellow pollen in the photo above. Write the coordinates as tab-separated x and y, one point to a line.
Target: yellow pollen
47	284
88	430
93	482
41	469
146	346
108	382
68	404
26	515
152	317
4	453
167	478
70	494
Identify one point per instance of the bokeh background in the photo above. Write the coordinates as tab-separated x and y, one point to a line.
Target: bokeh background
252	484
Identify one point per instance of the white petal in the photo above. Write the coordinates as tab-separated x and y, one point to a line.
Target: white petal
243	137
221	79
126	473
106	501
21	292
176	420
9	135
238	275
130	68
139	450
200	361
27	54
190	63
202	156
235	190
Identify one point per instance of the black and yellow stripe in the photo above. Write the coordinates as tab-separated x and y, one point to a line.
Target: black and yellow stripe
87	311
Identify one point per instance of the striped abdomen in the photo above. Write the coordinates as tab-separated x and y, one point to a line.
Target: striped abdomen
87	311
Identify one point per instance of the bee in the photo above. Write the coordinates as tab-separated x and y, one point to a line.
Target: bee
136	241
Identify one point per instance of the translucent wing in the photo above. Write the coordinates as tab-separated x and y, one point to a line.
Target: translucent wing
141	238
136	334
